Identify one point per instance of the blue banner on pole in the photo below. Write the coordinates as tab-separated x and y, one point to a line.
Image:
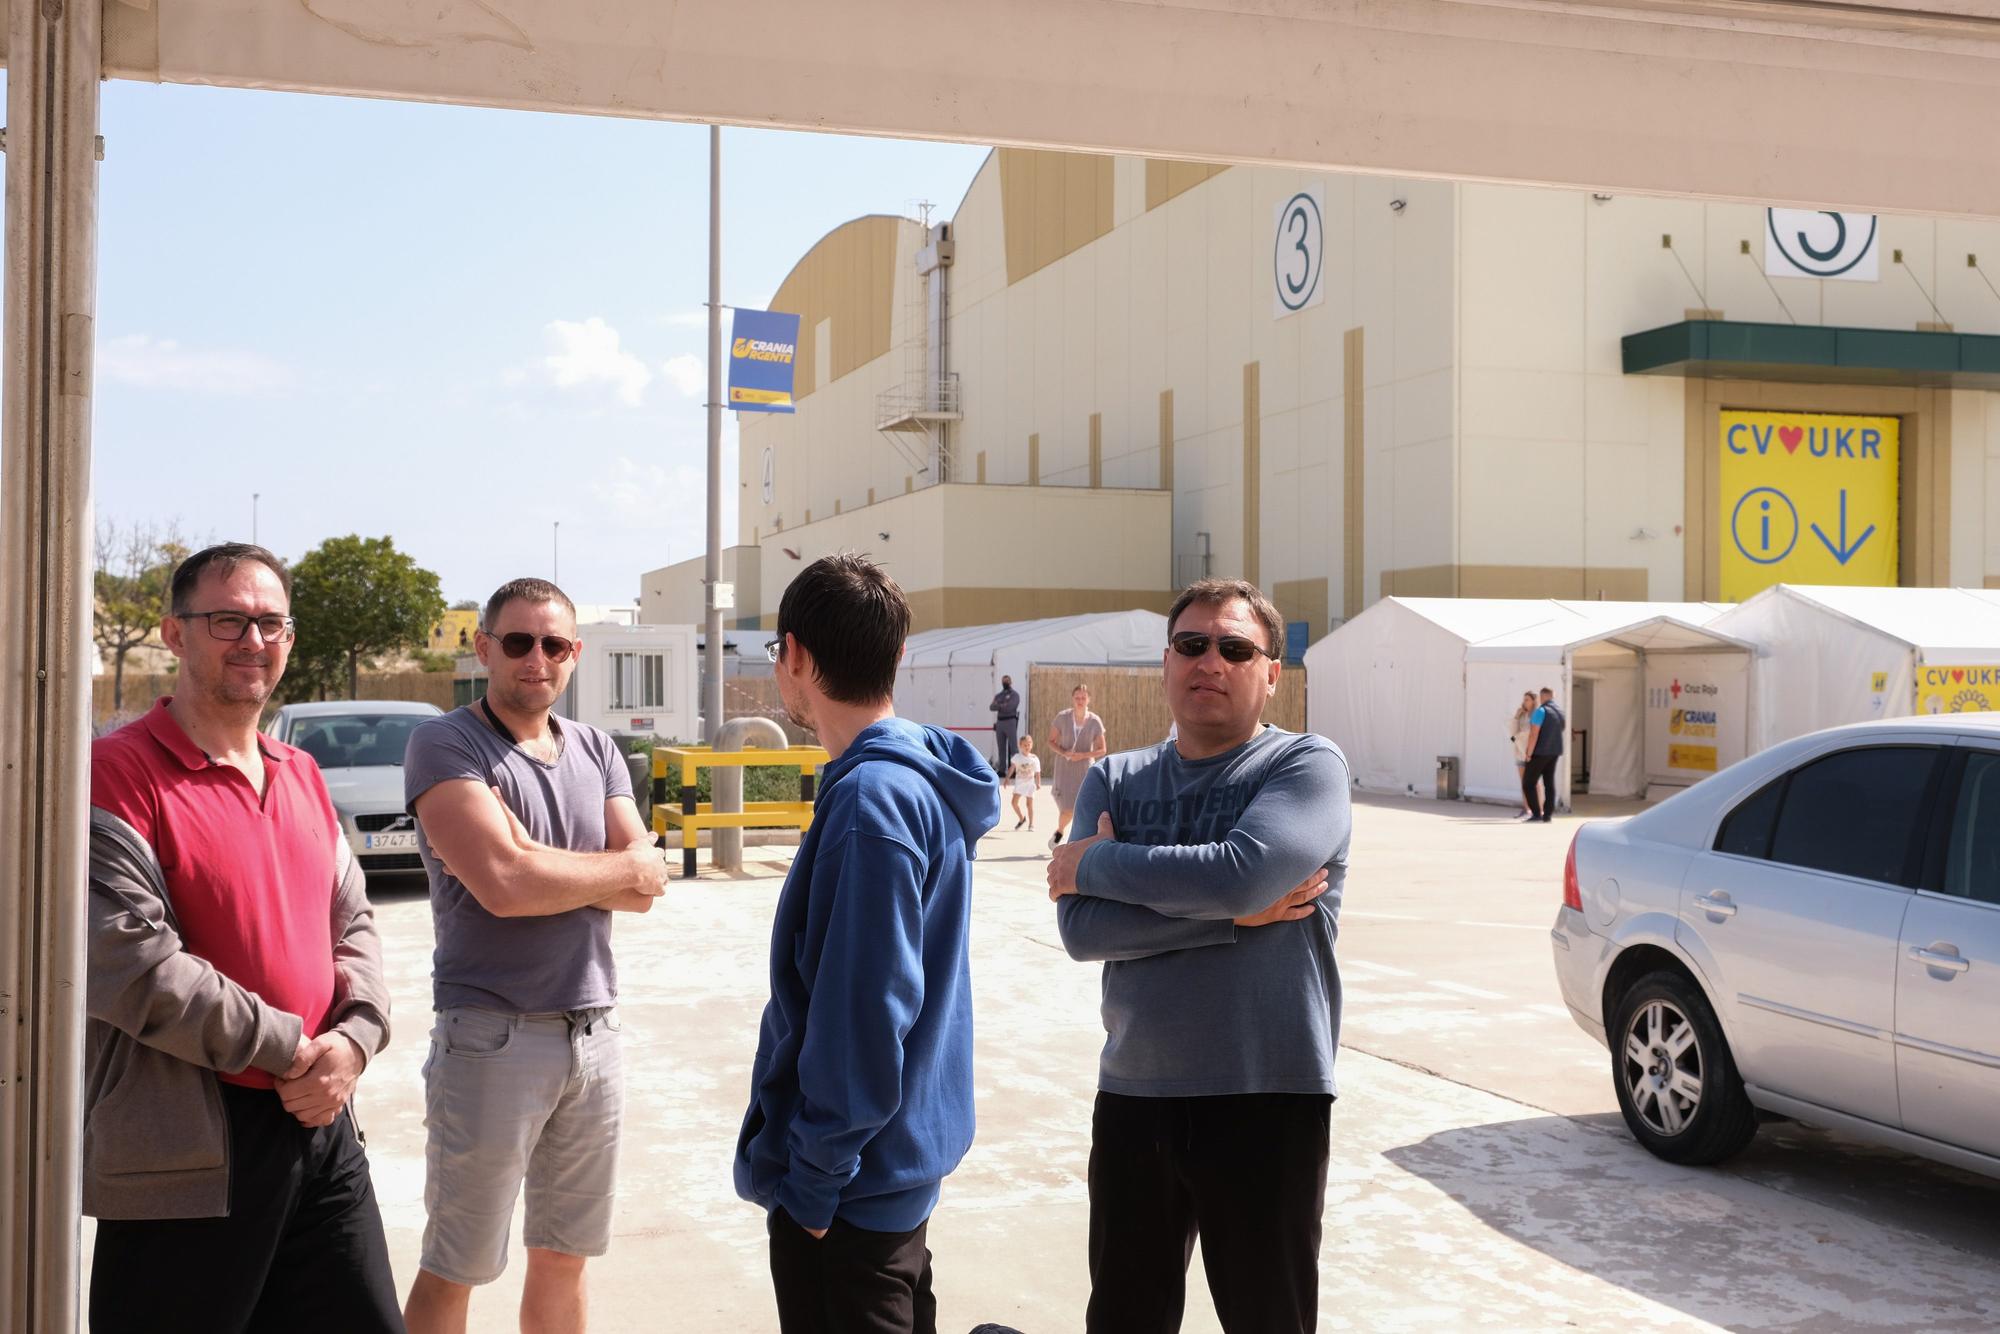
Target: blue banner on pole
763	348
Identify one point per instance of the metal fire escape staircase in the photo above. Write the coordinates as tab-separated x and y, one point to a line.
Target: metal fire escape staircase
917	415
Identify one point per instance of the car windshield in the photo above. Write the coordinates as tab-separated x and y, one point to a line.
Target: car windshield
355	740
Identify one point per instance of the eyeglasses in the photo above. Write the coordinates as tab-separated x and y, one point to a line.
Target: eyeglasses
519	644
1233	648
230	626
775	649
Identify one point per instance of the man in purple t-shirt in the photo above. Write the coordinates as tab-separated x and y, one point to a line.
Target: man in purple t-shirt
531	840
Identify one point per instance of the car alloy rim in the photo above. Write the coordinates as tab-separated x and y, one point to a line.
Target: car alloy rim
1662	1067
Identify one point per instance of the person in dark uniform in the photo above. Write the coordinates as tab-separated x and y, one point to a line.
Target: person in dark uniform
1006	707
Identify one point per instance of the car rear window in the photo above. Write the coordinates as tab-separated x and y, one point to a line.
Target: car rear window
1747	830
1856	812
1972	864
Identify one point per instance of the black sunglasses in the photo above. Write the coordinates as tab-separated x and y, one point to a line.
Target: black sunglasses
518	645
1233	648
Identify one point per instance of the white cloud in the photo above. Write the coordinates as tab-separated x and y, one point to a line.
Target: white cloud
689	374
650	495
589	354
147	362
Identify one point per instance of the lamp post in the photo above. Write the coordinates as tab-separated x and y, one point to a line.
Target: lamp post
711	673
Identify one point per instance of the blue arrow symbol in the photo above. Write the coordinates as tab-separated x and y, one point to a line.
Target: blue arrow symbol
1844	553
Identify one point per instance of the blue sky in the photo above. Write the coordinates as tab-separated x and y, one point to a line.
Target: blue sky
448	325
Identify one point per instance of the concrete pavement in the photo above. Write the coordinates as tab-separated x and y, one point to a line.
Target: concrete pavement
1480	1176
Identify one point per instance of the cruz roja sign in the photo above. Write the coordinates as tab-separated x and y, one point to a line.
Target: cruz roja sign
1807	499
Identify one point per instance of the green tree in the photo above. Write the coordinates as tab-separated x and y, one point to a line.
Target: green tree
135	566
357	599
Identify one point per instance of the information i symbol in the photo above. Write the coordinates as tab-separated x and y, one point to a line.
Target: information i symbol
1766	507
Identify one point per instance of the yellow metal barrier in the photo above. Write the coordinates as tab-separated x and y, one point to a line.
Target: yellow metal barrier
693	815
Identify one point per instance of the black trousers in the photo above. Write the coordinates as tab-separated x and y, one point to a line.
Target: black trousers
1247	1172
1541	769
851	1281
1006	740
300	1251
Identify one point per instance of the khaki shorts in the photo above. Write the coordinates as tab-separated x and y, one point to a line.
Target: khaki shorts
513	1099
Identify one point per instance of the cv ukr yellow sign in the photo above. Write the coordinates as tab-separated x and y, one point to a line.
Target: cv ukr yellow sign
1957	689
1807	498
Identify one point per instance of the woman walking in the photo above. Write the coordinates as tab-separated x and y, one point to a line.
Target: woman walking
1078	741
1517	732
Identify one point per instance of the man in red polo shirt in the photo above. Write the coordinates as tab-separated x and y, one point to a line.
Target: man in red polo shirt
235	995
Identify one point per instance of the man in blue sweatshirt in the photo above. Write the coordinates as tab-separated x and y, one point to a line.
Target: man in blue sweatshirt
861	1095
1221	997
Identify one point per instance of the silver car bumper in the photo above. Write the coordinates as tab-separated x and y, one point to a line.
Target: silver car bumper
1579	955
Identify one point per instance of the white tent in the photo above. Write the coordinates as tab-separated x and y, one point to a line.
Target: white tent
1831	655
1654	695
949	676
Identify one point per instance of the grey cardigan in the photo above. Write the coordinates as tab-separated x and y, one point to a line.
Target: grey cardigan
162	1021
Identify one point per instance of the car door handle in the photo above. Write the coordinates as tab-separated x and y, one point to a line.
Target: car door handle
1717	905
1947	957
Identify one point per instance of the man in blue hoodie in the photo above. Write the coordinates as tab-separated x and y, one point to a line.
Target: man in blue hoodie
861	1095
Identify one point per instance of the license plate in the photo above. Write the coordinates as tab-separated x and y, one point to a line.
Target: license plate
385	842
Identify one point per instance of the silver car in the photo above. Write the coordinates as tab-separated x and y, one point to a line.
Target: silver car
358	745
1813	933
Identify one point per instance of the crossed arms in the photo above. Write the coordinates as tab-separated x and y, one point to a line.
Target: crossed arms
487	848
1133	901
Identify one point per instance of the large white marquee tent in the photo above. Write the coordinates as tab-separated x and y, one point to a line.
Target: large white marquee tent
1659	695
1830	655
949	676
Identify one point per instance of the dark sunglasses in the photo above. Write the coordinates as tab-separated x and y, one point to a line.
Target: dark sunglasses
1233	648
518	645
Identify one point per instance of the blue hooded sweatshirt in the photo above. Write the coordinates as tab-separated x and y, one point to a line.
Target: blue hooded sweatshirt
861	1095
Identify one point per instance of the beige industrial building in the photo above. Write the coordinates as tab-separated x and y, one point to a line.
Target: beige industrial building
1107	375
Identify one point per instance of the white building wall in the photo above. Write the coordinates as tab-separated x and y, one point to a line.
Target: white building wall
1499	427
1179	298
829	450
1973	414
1570	457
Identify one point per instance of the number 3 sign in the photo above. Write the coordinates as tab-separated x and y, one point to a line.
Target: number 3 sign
1298	253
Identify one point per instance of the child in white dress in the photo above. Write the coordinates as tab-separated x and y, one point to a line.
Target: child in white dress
1026	773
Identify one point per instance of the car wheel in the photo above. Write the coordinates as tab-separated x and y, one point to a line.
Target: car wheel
1677	1083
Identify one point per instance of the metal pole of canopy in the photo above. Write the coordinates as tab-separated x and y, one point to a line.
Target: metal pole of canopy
54	58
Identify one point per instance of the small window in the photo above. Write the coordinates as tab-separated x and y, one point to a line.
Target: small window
638	680
1746	832
1972	863
1856	813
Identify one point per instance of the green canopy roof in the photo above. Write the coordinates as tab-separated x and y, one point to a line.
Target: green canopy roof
1815	354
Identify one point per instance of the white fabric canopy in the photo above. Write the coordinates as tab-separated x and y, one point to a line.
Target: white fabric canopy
949	676
1413	679
1831	655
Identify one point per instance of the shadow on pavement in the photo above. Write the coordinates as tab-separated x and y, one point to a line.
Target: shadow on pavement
1741	1245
